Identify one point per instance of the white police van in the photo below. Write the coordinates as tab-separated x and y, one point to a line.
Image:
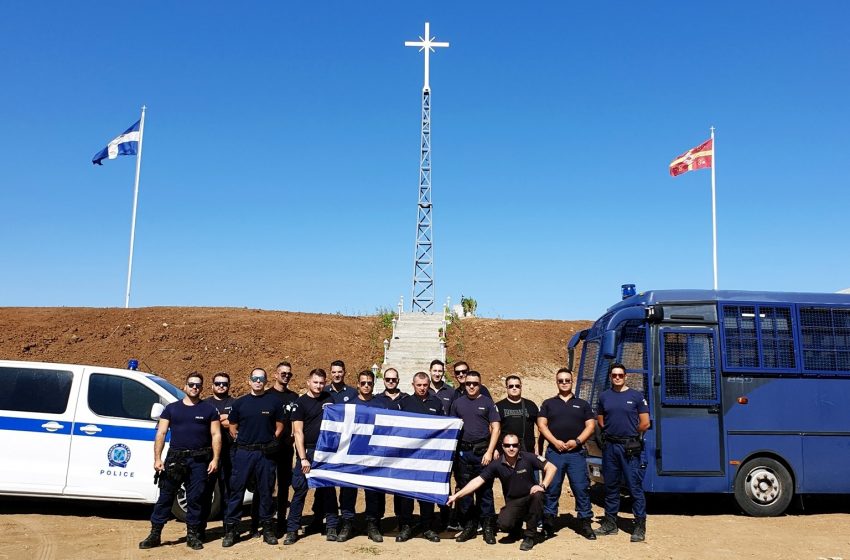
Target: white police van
81	432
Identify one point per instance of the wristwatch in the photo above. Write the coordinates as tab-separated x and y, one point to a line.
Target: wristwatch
578	442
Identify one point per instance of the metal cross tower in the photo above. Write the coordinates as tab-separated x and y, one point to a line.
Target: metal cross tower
423	264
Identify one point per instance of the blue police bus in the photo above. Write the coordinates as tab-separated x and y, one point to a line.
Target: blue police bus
749	392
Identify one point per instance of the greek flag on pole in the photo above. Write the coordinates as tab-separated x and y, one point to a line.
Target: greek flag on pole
397	452
126	144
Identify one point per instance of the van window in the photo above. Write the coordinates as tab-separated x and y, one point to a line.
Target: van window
35	390
111	395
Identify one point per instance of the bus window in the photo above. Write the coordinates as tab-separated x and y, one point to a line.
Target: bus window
688	368
590	353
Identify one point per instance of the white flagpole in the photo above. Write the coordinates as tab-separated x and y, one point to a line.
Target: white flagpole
135	205
713	202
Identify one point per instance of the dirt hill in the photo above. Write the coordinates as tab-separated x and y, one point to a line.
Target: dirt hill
173	341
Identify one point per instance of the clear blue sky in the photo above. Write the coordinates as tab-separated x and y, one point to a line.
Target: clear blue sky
280	163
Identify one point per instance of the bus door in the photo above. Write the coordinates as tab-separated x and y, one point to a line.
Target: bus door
689	418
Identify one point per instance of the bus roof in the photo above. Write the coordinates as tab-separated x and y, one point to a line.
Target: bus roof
710	296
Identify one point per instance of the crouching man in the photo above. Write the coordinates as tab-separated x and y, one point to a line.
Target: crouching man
524	496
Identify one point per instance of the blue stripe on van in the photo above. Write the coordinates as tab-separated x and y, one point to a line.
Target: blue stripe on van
33	425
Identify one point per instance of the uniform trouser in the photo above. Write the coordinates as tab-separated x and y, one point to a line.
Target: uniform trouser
347	499
528	508
404	512
617	467
479	505
376	505
284	479
324	499
225	469
574	466
198	492
245	463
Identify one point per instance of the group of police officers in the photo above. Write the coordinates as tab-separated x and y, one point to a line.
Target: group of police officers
270	437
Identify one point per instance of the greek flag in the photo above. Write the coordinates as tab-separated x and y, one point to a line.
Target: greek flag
397	452
127	144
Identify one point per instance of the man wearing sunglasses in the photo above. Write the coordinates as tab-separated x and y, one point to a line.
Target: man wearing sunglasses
256	422
567	422
623	415
223	403
286	451
518	414
392	393
460	369
192	460
516	470
421	402
478	439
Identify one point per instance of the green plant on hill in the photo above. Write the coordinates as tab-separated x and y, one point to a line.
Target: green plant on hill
469	305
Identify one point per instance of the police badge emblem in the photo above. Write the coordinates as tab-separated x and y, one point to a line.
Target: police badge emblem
118	455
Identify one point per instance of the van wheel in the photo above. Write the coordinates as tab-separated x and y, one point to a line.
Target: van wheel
763	487
179	506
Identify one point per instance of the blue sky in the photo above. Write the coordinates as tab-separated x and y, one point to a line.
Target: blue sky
280	159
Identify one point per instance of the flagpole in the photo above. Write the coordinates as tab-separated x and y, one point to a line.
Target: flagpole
713	202
136	203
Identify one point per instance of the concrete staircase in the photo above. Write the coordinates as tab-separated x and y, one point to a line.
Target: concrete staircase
415	342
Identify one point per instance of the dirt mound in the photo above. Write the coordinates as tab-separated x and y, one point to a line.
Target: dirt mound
173	341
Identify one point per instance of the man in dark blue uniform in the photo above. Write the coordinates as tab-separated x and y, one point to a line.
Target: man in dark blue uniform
623	415
256	421
460	369
306	425
223	403
192	459
477	445
516	470
439	387
342	394
392	393
566	422
286	450
421	402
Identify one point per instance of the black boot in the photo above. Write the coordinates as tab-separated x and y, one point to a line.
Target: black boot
639	534
548	526
193	538
489	530
331	534
470	530
290	538
154	538
231	536
585	530
526	544
608	526
404	534
268	533
373	531
346	531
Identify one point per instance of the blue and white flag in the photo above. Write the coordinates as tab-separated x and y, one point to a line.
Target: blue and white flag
127	144
397	452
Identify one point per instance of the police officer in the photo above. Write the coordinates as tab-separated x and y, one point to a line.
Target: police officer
392	393
439	387
192	459
459	370
286	451
623	415
342	394
518	414
306	424
477	445
256	421
223	403
566	422
422	402
516	470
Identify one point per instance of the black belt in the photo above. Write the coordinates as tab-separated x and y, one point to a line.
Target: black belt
251	446
614	439
470	445
180	453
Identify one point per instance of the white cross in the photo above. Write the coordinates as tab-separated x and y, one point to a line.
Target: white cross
426	44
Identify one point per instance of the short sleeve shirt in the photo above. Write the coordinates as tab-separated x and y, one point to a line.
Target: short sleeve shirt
429	405
446	394
477	414
286	397
256	416
309	410
620	410
344	395
223	406
517	480
190	425
566	418
520	419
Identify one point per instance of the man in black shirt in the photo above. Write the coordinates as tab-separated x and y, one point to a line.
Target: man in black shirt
523	494
286	451
223	403
192	459
256	421
392	393
422	402
306	425
566	422
518	414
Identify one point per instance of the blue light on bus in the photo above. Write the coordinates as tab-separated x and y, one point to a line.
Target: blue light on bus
628	290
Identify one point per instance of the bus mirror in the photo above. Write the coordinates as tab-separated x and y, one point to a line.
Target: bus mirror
609	344
654	313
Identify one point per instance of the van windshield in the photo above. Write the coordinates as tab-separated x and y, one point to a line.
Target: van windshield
177	393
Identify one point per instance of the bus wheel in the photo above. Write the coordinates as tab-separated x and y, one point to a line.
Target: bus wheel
763	487
179	506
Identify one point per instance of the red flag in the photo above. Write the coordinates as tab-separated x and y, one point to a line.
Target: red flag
697	158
